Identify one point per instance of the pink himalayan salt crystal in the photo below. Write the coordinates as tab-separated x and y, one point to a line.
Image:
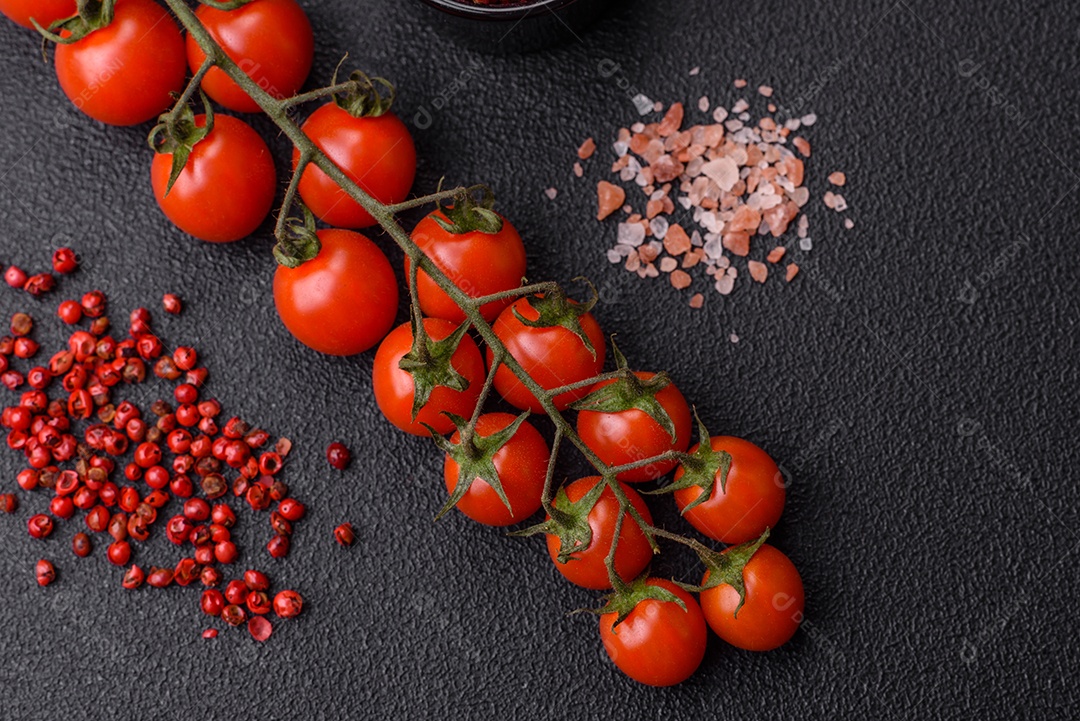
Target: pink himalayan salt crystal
551	193
697	300
849	223
587	149
695	70
676	242
765	91
668	264
792	271
838	179
578	170
802	146
776	254
672	120
734	338
703	104
610	198
758	270
740	83
680	279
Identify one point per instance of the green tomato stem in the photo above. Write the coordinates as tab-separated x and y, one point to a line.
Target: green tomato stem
278	111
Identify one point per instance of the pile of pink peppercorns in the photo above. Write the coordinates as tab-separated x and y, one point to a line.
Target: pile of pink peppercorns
75	444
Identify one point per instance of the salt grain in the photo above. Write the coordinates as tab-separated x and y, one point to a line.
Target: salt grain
838	179
734	338
740	83
703	104
551	193
587	148
632	234
695	70
578	170
668	264
849	223
697	300
765	90
806	244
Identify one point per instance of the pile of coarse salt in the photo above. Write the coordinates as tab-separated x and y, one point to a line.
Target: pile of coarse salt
710	190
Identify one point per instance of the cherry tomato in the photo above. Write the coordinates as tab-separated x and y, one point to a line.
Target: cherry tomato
553	356
773	608
394	386
271	41
522	466
232	156
478	263
344	300
658	644
586	567
752	501
123	74
633	435
377	153
46	12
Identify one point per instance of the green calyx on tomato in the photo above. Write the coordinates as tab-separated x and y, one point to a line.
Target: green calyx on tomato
630	393
429	363
554	308
475	457
727	567
90	15
626	596
365	98
702	469
467	213
177	135
569	521
298	241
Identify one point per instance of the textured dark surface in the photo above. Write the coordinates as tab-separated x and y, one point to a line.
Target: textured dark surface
931	440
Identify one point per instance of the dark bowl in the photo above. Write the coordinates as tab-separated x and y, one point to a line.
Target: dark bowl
513	28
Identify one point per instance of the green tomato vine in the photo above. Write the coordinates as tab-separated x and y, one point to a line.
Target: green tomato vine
297	242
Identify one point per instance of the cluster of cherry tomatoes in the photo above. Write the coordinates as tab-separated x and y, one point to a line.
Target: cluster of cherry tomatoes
125	70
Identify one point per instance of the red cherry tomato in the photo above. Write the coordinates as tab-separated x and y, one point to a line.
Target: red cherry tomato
659	643
633	435
554	357
394	386
753	499
377	153
46	12
586	567
522	466
232	156
773	608
321	301
124	74
271	41
478	263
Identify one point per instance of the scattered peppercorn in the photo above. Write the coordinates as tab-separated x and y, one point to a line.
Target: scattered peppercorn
338	456
45	572
172	304
64	261
344	534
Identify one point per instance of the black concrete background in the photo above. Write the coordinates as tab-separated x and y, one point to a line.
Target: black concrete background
918	381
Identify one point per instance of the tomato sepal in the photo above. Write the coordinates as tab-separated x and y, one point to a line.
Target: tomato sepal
569	521
475	458
178	136
365	97
467	214
556	309
702	468
429	364
298	241
90	15
626	596
727	566
630	393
